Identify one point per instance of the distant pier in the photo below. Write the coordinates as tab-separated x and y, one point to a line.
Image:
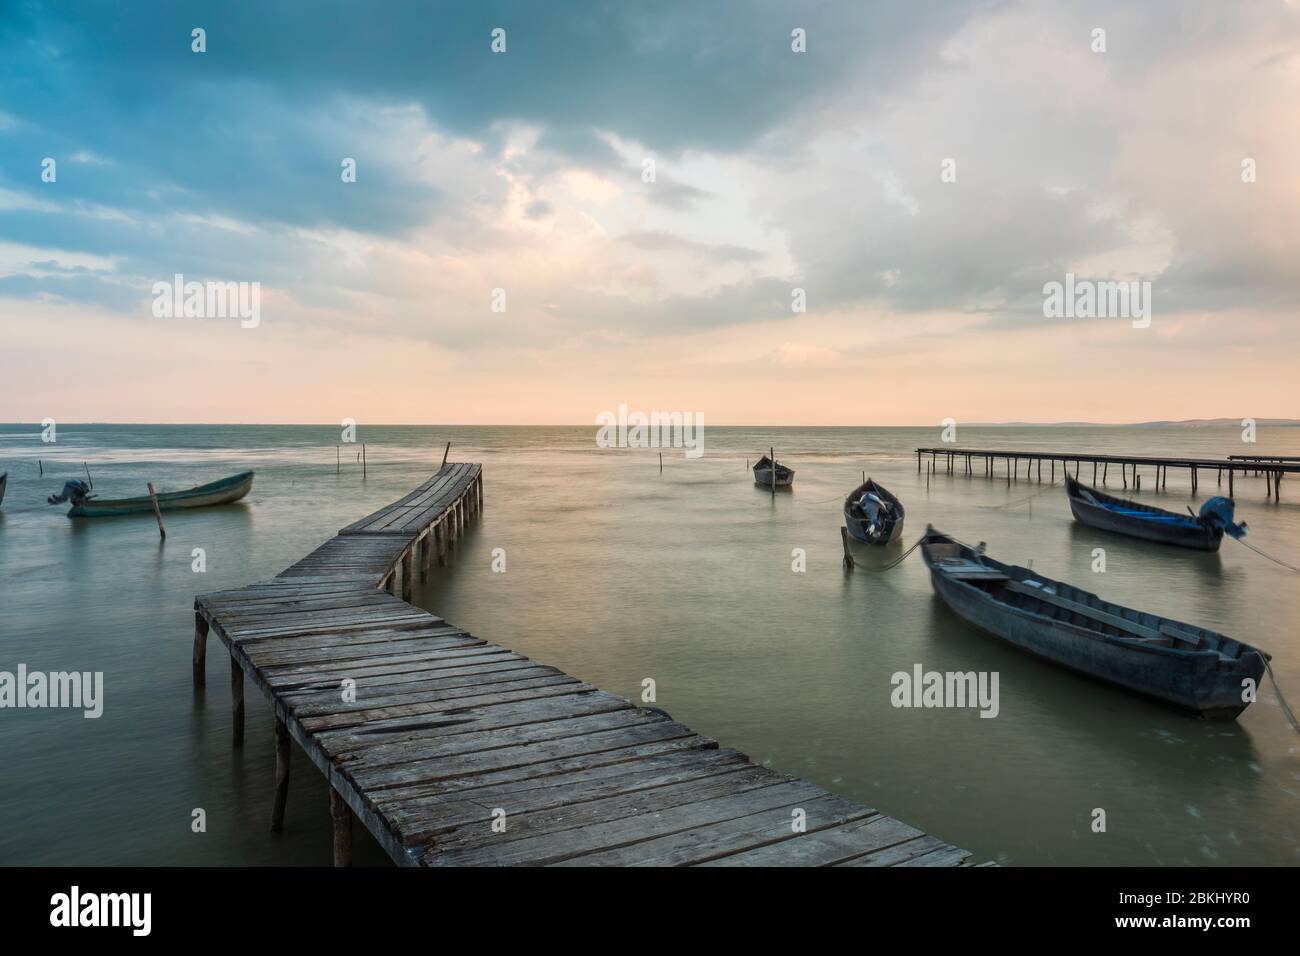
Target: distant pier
969	460
456	752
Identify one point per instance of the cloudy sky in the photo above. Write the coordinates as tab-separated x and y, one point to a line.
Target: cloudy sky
525	171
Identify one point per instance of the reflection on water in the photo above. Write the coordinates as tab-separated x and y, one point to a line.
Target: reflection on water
617	573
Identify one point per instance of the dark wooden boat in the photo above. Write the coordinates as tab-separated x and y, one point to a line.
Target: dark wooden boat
885	527
763	473
4	483
1181	664
215	493
1100	510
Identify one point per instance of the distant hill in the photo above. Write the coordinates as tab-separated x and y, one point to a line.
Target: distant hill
1184	423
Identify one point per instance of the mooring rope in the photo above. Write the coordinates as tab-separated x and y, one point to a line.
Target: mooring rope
896	562
1018	501
1287	712
1265	555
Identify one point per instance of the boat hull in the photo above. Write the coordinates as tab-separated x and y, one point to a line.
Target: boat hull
1203	682
1200	538
4	483
222	492
763	474
857	527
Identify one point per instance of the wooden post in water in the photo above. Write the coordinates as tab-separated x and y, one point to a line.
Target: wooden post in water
440	539
425	548
338	462
281	775
771	457
363	460
341	818
237	701
157	512
661	463
848	555
200	649
1231	472
1105	470
90	481
445	452
40	465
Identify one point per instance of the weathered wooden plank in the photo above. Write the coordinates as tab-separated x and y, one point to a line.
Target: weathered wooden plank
552	836
716	840
378	720
468	719
427	819
827	847
391	785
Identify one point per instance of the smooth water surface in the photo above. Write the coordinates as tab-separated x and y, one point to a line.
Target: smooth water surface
617	573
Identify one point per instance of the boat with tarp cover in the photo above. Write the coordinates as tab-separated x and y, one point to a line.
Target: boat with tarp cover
873	515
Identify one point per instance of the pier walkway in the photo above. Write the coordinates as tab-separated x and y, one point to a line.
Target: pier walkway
453	751
1271	468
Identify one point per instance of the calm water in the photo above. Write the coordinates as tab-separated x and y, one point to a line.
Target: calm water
617	573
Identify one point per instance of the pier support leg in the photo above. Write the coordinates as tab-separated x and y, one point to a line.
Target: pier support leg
237	701
1105	469
1193	479
480	487
406	576
425	548
1231	472
281	775
200	649
440	540
341	817
389	585
918	462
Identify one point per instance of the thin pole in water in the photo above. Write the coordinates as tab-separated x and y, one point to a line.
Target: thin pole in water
157	512
363	460
772	458
41	467
90	480
848	555
338	461
661	463
445	452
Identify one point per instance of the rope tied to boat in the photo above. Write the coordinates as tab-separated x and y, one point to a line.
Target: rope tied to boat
1019	501
1287	712
896	562
1264	554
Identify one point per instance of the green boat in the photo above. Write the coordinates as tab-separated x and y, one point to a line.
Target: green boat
221	492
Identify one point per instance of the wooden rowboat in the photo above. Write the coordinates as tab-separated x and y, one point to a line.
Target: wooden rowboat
885	526
1181	664
763	473
4	483
1097	509
221	492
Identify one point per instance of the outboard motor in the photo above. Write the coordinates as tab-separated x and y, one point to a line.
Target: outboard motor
1218	512
74	491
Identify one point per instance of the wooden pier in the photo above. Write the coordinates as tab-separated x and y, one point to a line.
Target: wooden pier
453	751
965	460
